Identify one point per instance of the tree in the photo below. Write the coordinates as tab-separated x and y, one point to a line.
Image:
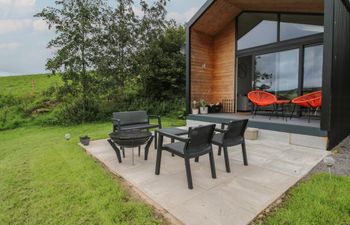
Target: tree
76	23
163	67
118	45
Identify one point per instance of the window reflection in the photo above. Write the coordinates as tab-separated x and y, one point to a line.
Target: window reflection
313	61
255	29
278	73
295	26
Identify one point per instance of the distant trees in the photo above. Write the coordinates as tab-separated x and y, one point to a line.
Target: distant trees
103	53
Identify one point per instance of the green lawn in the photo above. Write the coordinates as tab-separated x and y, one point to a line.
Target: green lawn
320	200
23	85
45	179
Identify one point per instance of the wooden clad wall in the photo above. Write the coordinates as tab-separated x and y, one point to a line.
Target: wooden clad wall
202	66
213	65
224	64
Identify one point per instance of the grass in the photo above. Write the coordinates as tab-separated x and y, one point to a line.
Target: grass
19	86
318	200
48	180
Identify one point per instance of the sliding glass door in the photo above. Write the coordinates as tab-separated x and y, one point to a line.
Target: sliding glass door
283	52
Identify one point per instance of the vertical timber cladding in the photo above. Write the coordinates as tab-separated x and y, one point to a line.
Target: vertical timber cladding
340	76
202	66
213	65
224	64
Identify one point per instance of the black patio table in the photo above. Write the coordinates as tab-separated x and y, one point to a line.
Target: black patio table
130	139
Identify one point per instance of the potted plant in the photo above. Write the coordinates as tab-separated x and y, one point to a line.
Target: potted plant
203	107
85	140
195	109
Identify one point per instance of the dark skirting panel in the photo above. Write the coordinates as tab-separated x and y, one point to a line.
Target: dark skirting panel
336	86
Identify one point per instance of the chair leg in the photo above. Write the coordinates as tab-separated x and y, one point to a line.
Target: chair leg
159	155
273	112
116	149
244	153
212	164
188	173
227	161
123	150
139	153
291	115
196	159
309	117
255	110
219	151
155	140
147	147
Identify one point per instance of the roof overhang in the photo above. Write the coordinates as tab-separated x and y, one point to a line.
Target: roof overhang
214	15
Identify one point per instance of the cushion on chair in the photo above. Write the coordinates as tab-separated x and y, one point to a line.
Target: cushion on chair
177	147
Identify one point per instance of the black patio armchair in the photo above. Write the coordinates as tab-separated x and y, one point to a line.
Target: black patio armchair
197	143
232	136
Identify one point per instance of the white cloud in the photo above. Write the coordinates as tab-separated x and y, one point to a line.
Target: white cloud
17	7
11	45
182	17
40	25
8	26
23	3
18	3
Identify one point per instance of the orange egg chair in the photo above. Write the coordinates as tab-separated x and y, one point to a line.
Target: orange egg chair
311	101
261	99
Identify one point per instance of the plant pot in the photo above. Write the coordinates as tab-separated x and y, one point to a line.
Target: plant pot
195	111
204	110
85	141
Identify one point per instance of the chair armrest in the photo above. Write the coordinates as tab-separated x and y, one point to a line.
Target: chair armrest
116	123
220	130
175	137
158	118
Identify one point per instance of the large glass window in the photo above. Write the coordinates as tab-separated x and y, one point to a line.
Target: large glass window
255	29
278	73
313	61
295	26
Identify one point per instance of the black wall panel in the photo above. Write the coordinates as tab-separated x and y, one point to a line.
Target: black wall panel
339	98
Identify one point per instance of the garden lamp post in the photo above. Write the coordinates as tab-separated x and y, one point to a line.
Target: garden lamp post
329	161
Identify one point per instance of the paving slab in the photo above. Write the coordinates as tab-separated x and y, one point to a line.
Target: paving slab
233	198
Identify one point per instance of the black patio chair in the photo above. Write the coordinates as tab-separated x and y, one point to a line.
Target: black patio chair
232	136
197	143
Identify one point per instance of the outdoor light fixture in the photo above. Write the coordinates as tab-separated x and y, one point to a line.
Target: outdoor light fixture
329	161
204	66
67	136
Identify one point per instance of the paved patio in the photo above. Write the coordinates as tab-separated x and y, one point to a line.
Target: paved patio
233	198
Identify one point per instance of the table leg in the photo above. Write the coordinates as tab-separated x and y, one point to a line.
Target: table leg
133	160
116	149
172	141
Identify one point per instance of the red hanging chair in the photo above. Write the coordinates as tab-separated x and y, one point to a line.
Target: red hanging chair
261	99
310	101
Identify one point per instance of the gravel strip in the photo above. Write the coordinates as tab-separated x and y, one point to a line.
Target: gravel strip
341	154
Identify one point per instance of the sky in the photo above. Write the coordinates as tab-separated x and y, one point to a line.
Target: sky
23	38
